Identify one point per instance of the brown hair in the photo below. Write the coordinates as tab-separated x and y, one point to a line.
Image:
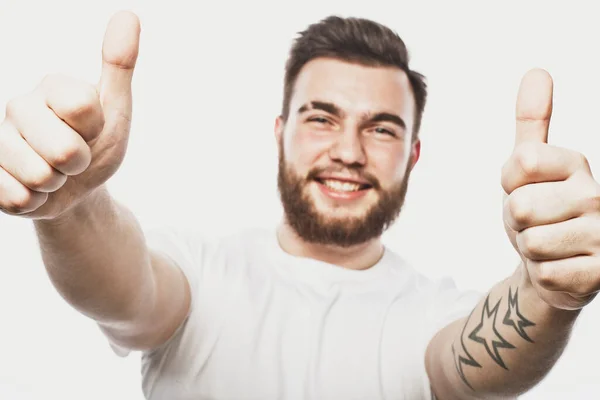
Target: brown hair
356	40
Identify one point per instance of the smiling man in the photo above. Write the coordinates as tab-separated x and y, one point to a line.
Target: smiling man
345	150
317	308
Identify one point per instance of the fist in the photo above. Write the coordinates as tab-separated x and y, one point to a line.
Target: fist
552	205
66	138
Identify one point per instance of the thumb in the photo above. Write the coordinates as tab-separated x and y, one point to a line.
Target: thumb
119	55
534	107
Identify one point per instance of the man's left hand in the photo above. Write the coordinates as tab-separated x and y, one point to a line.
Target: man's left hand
552	207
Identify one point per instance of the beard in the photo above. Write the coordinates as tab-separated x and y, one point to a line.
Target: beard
316	227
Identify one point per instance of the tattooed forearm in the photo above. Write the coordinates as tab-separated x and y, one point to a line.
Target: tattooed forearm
507	345
462	357
514	318
487	333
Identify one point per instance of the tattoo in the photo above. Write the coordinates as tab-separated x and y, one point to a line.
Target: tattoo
514	317
486	333
463	357
491	339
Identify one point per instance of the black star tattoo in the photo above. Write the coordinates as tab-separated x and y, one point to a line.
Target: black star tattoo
463	357
492	339
514	317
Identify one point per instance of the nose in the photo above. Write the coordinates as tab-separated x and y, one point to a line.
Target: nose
348	148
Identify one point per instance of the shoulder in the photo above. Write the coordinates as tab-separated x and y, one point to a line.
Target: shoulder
438	292
176	239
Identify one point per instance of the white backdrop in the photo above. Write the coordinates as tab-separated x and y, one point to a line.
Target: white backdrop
207	90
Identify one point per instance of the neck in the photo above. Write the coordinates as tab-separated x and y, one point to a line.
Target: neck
358	257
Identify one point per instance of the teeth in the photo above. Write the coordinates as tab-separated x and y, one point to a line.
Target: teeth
341	186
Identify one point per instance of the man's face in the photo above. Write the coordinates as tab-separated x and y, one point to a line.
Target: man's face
345	152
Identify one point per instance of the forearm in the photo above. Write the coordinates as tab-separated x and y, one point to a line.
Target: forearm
506	346
96	257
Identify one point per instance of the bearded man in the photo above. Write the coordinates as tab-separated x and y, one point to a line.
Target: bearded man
318	307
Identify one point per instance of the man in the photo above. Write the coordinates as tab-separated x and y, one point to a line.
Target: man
318	308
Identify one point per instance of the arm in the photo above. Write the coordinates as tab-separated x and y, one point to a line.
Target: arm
505	347
96	257
58	146
551	215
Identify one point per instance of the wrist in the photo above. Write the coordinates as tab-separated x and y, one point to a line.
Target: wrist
81	210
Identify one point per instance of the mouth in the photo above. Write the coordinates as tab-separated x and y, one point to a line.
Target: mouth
341	189
342	185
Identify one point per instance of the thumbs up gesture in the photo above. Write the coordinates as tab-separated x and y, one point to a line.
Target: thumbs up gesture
552	204
67	137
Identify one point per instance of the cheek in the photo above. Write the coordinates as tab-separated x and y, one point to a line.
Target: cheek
388	163
306	146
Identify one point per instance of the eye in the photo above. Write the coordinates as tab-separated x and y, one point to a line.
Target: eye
384	131
319	120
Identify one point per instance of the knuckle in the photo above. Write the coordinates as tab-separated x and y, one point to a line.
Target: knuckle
528	159
520	209
558	278
14	106
76	105
67	156
505	178
72	99
546	276
19	202
82	103
43	178
531	244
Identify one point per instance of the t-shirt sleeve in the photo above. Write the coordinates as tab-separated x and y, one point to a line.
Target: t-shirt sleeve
184	248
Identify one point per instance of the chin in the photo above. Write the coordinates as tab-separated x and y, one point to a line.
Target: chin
320	219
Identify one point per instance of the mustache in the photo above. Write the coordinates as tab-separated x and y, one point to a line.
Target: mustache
356	173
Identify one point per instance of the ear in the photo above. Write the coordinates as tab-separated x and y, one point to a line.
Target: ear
279	125
415	153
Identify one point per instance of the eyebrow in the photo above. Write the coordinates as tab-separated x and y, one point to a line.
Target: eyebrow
388	117
323	106
338	112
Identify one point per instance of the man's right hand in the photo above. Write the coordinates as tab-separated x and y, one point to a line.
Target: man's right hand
66	138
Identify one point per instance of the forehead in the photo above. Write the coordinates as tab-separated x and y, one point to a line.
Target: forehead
354	87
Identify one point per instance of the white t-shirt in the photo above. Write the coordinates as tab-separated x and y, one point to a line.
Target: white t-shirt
268	325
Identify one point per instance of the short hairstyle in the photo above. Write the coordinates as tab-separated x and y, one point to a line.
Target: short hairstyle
355	40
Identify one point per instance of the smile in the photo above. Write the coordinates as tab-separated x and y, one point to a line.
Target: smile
341	190
343	186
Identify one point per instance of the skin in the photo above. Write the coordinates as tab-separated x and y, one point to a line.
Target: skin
317	138
60	143
551	215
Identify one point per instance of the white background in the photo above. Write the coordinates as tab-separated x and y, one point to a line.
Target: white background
206	93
